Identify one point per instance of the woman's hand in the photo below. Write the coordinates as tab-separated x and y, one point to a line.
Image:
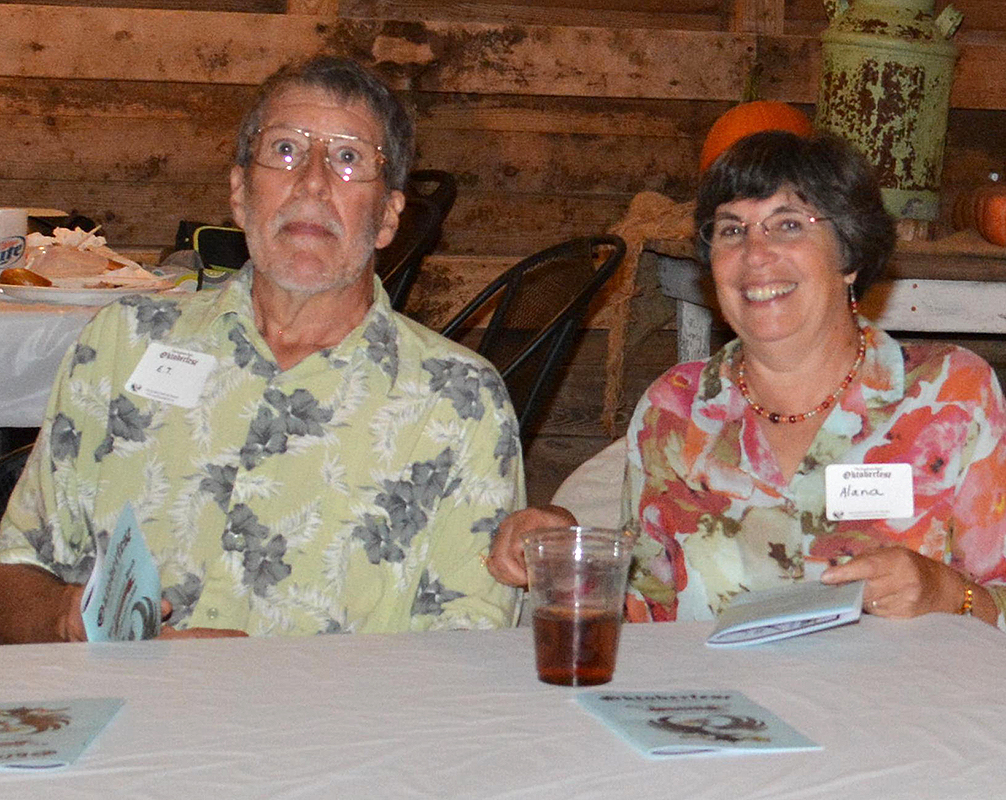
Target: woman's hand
506	557
900	583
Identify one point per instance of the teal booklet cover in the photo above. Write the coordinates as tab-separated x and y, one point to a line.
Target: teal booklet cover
122	598
50	733
778	613
663	724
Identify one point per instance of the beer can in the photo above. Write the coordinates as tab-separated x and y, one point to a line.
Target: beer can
13	230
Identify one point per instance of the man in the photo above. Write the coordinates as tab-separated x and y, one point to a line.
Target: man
303	459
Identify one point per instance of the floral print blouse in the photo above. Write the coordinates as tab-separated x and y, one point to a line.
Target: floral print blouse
718	518
354	491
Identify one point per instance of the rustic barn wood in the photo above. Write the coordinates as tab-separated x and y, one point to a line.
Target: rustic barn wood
757	16
251	6
140	44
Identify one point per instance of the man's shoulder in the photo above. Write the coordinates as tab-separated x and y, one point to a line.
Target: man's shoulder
423	344
159	315
457	375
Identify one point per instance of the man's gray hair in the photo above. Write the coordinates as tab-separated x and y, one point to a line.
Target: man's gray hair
347	81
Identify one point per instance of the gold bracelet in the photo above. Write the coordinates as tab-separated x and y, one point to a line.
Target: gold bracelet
969	596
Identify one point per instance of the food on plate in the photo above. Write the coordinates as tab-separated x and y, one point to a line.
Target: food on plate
19	276
78	259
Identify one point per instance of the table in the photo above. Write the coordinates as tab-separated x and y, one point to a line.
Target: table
33	339
957	285
911	710
35	336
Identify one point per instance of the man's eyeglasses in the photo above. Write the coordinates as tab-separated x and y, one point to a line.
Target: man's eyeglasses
349	157
781	227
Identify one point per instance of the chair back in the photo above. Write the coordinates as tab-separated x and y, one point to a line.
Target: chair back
11	466
435	185
429	196
398	264
537	309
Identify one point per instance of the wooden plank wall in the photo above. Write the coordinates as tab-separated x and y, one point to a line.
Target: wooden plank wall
552	113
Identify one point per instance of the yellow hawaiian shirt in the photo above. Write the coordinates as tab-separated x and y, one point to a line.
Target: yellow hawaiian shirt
353	492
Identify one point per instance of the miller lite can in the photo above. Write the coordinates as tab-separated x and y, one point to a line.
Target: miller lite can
13	230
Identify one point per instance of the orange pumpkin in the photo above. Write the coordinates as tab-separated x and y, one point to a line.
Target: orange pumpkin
752	117
985	210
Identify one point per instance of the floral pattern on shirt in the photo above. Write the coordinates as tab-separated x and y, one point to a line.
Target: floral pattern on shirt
352	492
718	518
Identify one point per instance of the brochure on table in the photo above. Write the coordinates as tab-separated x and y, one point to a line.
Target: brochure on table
122	598
770	614
51	733
664	724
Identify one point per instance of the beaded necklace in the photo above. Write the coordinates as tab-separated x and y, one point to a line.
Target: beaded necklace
774	416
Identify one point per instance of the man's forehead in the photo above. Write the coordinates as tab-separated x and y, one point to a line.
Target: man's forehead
320	110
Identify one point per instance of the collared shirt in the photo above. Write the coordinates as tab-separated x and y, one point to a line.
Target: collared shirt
718	517
354	491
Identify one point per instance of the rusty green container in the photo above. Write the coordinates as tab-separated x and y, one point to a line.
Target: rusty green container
887	68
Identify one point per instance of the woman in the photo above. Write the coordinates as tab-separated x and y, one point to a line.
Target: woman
727	457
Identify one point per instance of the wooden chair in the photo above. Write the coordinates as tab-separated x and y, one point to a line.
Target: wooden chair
537	308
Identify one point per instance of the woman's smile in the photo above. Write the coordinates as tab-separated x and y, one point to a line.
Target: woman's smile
767	291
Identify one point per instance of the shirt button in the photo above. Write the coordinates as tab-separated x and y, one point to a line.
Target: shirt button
212	613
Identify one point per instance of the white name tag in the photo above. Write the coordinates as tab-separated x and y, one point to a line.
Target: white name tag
171	375
868	491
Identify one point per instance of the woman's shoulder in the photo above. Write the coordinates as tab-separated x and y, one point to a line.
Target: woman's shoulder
961	373
681	382
676	390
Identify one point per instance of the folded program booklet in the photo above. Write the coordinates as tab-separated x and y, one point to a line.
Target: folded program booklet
690	723
40	734
770	614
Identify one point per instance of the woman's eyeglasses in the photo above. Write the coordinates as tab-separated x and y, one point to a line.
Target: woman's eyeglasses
780	227
349	157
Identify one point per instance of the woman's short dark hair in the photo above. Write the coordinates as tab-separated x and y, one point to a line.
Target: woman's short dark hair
347	81
825	172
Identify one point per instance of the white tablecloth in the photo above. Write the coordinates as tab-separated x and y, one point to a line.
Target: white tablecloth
907	710
33	339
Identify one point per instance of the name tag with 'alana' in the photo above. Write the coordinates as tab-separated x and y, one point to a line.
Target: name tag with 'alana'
868	491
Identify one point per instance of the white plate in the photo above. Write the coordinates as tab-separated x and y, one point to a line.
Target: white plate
73	297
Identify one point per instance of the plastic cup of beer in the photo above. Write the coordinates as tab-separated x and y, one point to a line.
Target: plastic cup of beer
576	580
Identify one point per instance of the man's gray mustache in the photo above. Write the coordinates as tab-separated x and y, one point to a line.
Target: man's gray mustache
310	217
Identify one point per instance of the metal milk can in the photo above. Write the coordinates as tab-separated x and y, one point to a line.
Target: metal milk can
886	73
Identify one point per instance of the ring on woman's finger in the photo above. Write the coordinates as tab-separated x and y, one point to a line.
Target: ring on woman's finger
873	605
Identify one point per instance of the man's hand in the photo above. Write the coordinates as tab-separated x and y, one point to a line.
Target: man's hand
169	632
506	557
69	622
900	583
36	606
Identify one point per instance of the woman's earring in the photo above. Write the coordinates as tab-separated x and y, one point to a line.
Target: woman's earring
853	304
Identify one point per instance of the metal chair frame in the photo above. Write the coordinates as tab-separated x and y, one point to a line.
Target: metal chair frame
398	264
557	334
425	211
11	467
